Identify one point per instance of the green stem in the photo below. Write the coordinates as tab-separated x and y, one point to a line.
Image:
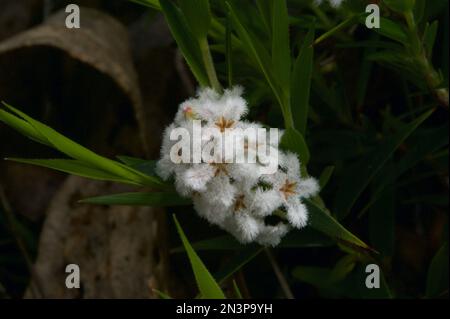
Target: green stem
321	15
209	64
432	78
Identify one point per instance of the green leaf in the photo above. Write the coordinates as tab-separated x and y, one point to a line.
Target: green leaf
429	37
147	167
74	167
437	281
304	238
265	8
293	140
344	24
425	144
391	30
352	286
320	220
76	151
400	6
207	285
343	267
325	176
239	260
198	16
229	50
161	294
301	82
154	4
186	40
155	199
22	127
281	54
237	291
360	174
257	52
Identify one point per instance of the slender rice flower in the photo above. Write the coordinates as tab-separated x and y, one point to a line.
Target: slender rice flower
333	3
237	196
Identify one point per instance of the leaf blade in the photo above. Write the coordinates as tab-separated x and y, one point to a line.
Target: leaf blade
207	285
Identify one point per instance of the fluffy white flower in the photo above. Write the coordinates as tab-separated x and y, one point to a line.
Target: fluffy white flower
235	196
289	188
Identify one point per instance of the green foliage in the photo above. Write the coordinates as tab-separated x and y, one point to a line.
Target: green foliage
186	40
154	199
437	282
206	283
366	110
198	16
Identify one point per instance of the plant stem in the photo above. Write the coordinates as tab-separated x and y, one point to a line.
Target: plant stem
281	279
287	115
209	64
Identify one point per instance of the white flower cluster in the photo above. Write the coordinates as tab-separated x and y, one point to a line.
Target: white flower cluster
236	197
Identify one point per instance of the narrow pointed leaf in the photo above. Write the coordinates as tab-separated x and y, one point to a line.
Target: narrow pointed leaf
207	285
154	199
281	56
73	167
325	223
365	170
185	39
301	82
293	141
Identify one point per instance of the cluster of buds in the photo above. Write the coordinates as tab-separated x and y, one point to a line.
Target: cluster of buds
238	196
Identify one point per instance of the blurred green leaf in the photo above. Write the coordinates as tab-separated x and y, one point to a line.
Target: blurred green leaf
265	8
161	294
352	286
293	141
390	29
304	238
237	291
154	4
400	6
367	168
343	267
301	82
147	167
323	222
261	58
437	282
429	37
186	40
281	54
239	260
325	176
155	199
198	16
74	167
207	285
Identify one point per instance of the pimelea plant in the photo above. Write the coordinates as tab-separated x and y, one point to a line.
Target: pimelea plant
236	196
277	64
